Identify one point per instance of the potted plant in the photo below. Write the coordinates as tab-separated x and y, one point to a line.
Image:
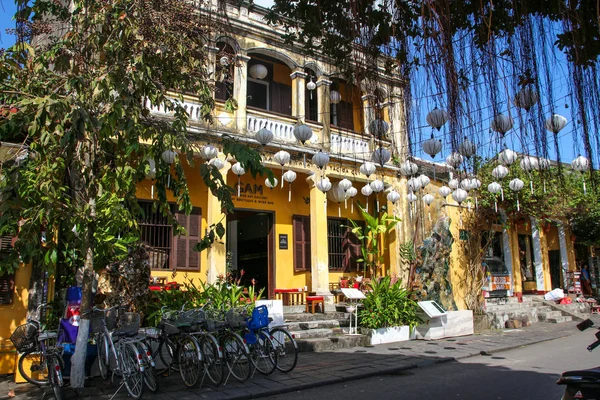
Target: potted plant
388	313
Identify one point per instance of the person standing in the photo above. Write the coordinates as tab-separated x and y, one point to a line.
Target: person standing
586	283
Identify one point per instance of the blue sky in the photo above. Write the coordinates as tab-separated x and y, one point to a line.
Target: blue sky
7	10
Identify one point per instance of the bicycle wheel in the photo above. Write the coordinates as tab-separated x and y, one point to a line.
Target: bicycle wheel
166	354
189	358
130	369
212	359
236	357
103	356
33	367
55	376
149	370
286	347
263	354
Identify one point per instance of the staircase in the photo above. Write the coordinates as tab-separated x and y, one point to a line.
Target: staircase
533	309
322	332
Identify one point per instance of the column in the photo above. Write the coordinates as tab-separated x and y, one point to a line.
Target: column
507	253
323	86
393	244
212	60
319	251
240	91
298	94
216	255
368	116
564	255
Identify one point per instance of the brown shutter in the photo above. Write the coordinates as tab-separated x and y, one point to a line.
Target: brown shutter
345	115
182	254
281	98
301	227
7	288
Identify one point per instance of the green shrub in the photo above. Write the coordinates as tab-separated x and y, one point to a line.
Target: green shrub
388	304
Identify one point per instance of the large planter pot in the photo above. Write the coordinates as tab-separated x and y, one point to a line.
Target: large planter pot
387	335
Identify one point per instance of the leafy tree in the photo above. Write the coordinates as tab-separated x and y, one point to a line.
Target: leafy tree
79	102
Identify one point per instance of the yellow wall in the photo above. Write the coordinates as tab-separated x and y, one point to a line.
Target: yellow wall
281	74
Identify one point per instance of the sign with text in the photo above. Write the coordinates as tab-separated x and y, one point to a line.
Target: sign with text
283	241
275	308
353	294
251	193
432	309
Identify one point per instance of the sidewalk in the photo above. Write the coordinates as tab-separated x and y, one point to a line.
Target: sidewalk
320	369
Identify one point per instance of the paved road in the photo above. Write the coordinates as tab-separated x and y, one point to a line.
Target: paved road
524	373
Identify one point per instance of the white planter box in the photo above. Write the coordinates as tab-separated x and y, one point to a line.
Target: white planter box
454	323
388	335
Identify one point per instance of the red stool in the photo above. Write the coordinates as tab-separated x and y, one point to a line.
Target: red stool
314	300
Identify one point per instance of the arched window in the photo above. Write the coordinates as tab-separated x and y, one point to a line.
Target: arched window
224	70
347	113
273	92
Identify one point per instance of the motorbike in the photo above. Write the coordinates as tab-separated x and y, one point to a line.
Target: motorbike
582	384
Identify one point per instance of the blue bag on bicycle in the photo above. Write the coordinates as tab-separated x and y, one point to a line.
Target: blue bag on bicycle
259	319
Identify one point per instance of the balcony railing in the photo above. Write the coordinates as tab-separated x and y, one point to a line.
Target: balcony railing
282	127
193	109
349	145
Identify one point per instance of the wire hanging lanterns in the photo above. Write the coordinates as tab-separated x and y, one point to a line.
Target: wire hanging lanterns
270	184
581	164
500	173
502	124
350	193
311	86
367	191
168	156
454	160
507	157
436	118
289	176
264	136
408	168
428	199
282	157
381	156
467	148
393	196
516	185
432	146
424	180
379	128
529	164
413	184
526	98
367	169
335	97
337	194
377	187
208	152
453	183
556	123
258	71
302	133
217	163
495	188
320	159
151	174
324	185
345	184
239	171
444	191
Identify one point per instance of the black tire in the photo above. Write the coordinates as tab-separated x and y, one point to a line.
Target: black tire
56	378
58	392
103	356
263	354
130	370
212	359
189	360
166	353
33	367
286	347
235	354
149	370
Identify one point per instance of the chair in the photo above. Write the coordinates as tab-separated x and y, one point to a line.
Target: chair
315	300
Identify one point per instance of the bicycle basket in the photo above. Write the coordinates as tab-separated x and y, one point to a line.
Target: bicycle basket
259	318
236	318
25	337
150	332
129	321
192	316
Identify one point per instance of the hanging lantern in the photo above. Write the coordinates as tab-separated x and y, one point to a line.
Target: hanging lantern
466	184
350	193
303	133
507	157
367	191
529	163
502	124
500	172
152	171
381	156
428	199
269	184
289	176
453	184
335	97
264	136
436	118
258	71
581	164
324	185
459	195
208	152
320	159
393	196
526	98
432	146
454	160
168	156
444	191
239	171
543	164
311	85
467	148
411	197
424	180
413	184
282	157
224	61
377	185
516	185
378	128
475	183
337	194
556	123
217	163
495	188
367	169
345	184
408	168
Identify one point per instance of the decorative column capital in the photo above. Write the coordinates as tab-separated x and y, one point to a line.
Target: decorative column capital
298	74
324	82
242	58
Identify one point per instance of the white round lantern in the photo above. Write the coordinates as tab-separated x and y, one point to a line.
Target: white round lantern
436	118
413	184
408	168
393	196
336	193
208	152
526	98
366	190
466	184
432	146
467	148
289	176
238	169
453	184
324	185
303	133
168	156
377	186
367	169
494	187
444	191
335	97
411	197
580	164
258	71
500	172
152	171
475	183
217	163
424	180
516	185
428	199
381	156
454	159
528	163
345	184
556	123
459	195
269	184
264	136
320	159
350	193
507	157
543	164
311	85
379	128
502	124
282	157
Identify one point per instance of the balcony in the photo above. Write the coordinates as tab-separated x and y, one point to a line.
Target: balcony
281	126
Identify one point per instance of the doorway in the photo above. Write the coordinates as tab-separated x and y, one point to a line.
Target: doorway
555	269
250	249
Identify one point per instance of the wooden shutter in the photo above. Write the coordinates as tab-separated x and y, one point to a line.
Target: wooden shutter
7	288
182	254
345	115
281	98
301	227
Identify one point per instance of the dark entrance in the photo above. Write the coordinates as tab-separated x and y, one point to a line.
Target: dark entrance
555	269
250	248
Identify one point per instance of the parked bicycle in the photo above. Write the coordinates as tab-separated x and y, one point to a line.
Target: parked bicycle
41	361
263	354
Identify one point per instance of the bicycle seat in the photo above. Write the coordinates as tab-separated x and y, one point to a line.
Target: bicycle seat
593	373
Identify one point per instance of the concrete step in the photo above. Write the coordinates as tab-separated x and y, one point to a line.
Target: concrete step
561	319
303	317
318	324
316	333
332	343
550	314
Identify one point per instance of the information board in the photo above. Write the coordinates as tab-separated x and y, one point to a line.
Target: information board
353	294
275	308
432	309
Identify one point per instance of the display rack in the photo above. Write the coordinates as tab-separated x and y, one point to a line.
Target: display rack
574	282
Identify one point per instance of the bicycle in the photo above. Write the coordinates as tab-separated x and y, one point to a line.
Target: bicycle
40	363
285	347
119	347
263	354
